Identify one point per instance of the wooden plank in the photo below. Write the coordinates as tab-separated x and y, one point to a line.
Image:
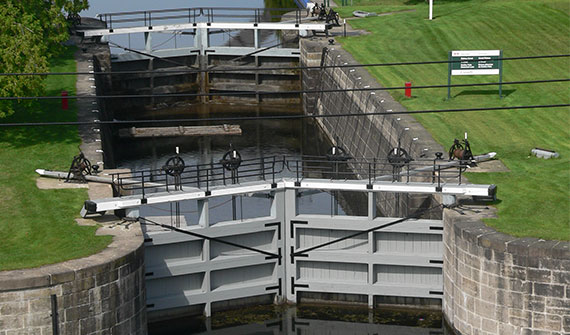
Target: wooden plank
226	129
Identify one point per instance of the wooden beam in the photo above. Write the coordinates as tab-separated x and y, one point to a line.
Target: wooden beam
226	129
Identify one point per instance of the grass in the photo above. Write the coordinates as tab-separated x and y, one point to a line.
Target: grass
37	226
534	195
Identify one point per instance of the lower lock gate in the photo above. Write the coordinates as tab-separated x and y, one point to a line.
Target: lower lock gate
201	256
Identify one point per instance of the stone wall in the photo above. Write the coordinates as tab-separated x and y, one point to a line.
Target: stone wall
498	284
366	136
99	294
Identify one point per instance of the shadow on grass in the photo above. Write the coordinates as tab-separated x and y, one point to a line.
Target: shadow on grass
485	92
64	56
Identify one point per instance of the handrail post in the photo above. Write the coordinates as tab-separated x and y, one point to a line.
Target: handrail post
143	184
439	177
208	181
460	171
273	170
369	174
297	168
433	172
198	175
262	168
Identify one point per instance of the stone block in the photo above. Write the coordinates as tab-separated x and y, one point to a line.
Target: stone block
76	313
70	328
558	303
122	328
37	320
108	320
561	251
474	320
87	326
561	277
549	290
11	321
39	305
62	276
501	313
10	296
507	329
515	300
521	246
554	264
497	281
16	280
76	299
485	309
566	324
488	294
520	318
539	275
124	312
553	323
519	286
530	331
17	332
498	256
473	261
489	325
491	267
13	308
470	287
495	241
535	303
513	271
106	277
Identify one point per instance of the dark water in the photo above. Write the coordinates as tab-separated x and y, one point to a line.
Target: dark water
267	138
307	319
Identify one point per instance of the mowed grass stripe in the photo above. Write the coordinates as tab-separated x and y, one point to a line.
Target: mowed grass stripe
534	194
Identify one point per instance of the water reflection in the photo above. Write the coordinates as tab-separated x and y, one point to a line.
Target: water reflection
308	319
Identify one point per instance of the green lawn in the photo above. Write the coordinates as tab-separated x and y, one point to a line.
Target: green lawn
535	194
37	226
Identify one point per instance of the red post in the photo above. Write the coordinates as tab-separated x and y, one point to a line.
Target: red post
409	89
64	104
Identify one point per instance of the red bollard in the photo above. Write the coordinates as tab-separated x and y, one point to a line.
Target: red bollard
64	104
409	89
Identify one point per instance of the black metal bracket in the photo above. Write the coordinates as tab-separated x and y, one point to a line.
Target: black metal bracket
293	285
294	222
278	224
276	287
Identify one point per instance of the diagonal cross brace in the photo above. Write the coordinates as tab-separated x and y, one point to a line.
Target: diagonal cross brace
269	254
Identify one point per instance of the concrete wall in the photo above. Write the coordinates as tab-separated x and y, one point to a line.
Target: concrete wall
498	284
99	294
366	136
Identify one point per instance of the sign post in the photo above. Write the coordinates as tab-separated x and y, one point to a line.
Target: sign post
474	63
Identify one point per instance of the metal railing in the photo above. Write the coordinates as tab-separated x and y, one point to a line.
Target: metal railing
198	14
273	168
